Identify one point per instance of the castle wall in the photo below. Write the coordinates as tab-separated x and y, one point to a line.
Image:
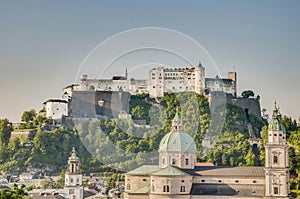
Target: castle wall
92	104
252	104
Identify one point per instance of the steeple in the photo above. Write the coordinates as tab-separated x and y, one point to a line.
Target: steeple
176	122
73	163
277	164
126	74
73	177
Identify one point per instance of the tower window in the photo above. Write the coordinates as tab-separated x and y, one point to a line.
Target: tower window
163	161
182	188
237	181
276	191
166	188
128	186
173	161
152	187
275	159
186	161
202	180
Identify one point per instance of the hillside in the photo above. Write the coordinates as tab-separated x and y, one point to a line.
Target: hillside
110	145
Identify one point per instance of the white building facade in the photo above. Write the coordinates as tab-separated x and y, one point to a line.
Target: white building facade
56	108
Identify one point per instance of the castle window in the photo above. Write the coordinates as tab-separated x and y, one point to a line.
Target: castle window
186	161
182	181
152	188
275	159
220	181
128	186
275	134
71	180
144	180
163	161
237	181
254	181
182	188
166	188
202	180
276	191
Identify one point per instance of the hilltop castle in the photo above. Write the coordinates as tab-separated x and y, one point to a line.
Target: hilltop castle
161	80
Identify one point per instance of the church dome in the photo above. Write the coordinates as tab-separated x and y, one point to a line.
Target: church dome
177	140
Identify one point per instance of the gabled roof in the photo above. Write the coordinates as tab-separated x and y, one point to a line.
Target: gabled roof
170	171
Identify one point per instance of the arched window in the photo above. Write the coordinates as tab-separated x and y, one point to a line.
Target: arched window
182	188
163	161
128	186
152	188
71	180
173	161
166	188
186	161
275	159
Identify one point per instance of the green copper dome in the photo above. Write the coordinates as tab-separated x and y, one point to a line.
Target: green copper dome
276	122
177	140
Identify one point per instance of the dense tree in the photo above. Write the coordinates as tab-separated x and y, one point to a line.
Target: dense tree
5	132
247	94
17	192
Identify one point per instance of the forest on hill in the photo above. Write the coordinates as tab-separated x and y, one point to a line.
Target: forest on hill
119	145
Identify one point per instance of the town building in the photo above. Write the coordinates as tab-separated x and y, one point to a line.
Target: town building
178	176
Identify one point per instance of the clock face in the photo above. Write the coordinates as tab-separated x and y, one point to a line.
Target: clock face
276	178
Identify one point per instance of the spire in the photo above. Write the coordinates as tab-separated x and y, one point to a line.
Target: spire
126	74
176	122
73	162
200	64
276	121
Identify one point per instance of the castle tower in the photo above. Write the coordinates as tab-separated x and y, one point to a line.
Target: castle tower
233	77
73	178
277	165
177	148
200	79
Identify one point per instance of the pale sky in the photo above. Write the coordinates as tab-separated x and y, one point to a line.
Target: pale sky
43	43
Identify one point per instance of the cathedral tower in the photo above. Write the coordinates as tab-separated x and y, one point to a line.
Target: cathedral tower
73	177
277	164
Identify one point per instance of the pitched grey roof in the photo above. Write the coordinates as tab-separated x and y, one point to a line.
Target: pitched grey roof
170	171
144	170
229	171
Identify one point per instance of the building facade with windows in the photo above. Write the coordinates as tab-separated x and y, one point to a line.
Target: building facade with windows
177	176
73	178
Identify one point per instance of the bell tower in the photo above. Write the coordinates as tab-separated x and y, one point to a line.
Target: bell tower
277	164
73	177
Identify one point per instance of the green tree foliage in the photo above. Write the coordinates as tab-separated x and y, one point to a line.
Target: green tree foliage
17	192
5	132
247	94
